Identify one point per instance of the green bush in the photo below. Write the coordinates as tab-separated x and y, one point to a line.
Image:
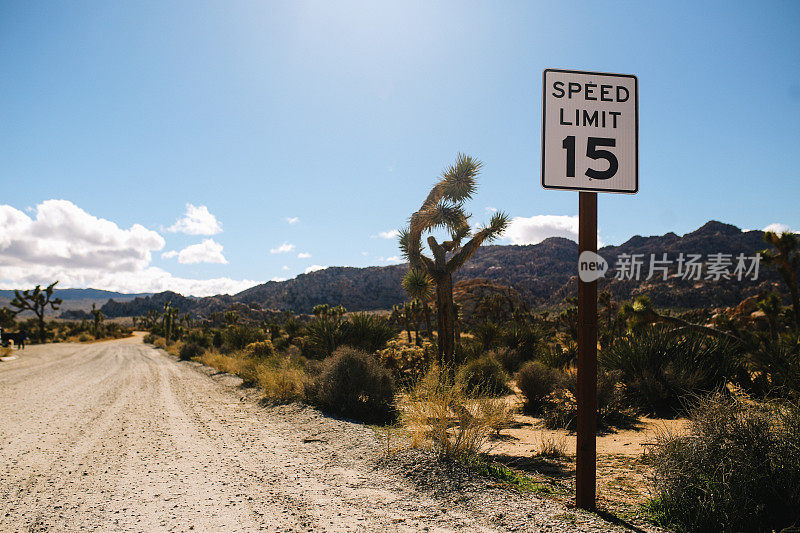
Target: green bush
736	469
484	375
368	332
197	336
354	385
190	350
537	382
661	368
323	336
237	337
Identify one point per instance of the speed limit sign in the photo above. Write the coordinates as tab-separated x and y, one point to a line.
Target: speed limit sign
590	131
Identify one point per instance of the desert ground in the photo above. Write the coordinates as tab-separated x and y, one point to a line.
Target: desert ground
118	436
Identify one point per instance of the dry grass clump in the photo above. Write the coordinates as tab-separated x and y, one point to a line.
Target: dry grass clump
281	380
440	412
736	469
552	446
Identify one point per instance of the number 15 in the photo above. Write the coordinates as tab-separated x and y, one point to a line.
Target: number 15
592	153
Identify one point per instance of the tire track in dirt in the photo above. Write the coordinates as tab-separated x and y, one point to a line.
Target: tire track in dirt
118	436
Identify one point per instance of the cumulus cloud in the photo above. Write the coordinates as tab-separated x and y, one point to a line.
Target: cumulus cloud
303	255
282	249
208	251
63	242
292	220
170	254
390	234
198	220
535	229
777	227
278	279
394	259
314	268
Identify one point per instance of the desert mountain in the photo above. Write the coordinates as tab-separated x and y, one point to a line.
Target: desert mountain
543	274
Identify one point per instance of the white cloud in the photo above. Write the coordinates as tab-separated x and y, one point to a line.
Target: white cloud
491	209
391	234
303	255
65	243
314	268
394	259
208	251
365	254
777	227
535	229
292	220
282	249
284	267
278	279
197	221
169	255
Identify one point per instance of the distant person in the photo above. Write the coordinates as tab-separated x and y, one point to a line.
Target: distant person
22	336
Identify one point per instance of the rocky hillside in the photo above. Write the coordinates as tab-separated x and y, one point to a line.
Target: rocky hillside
542	274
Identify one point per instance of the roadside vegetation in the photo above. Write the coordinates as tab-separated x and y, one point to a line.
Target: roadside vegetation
39	329
453	383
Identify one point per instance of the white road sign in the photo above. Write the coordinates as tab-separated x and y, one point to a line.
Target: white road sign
590	131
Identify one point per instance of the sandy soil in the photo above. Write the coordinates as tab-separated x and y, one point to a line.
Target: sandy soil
118	436
621	474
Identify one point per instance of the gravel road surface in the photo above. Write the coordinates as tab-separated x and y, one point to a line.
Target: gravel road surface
118	436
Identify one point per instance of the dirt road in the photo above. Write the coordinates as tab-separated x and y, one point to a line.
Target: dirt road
118	436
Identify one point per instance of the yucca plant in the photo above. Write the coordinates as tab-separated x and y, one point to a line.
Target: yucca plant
443	209
786	258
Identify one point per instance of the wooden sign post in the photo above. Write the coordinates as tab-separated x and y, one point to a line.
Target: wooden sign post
590	143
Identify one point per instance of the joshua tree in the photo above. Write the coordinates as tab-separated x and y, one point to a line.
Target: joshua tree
443	209
7	318
419	285
37	301
97	316
786	258
169	320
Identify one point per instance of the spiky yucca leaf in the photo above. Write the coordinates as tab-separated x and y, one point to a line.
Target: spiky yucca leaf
459	179
442	215
418	284
497	225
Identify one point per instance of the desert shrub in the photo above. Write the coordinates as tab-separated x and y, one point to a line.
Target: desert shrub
737	468
216	339
487	333
354	385
484	375
236	337
775	367
260	349
561	412
407	362
367	332
660	368
537	382
190	350
281	380
441	413
521	336
160	343
323	336
509	358
197	336
83	337
467	349
149	338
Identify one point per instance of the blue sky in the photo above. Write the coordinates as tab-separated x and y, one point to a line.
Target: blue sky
342	114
